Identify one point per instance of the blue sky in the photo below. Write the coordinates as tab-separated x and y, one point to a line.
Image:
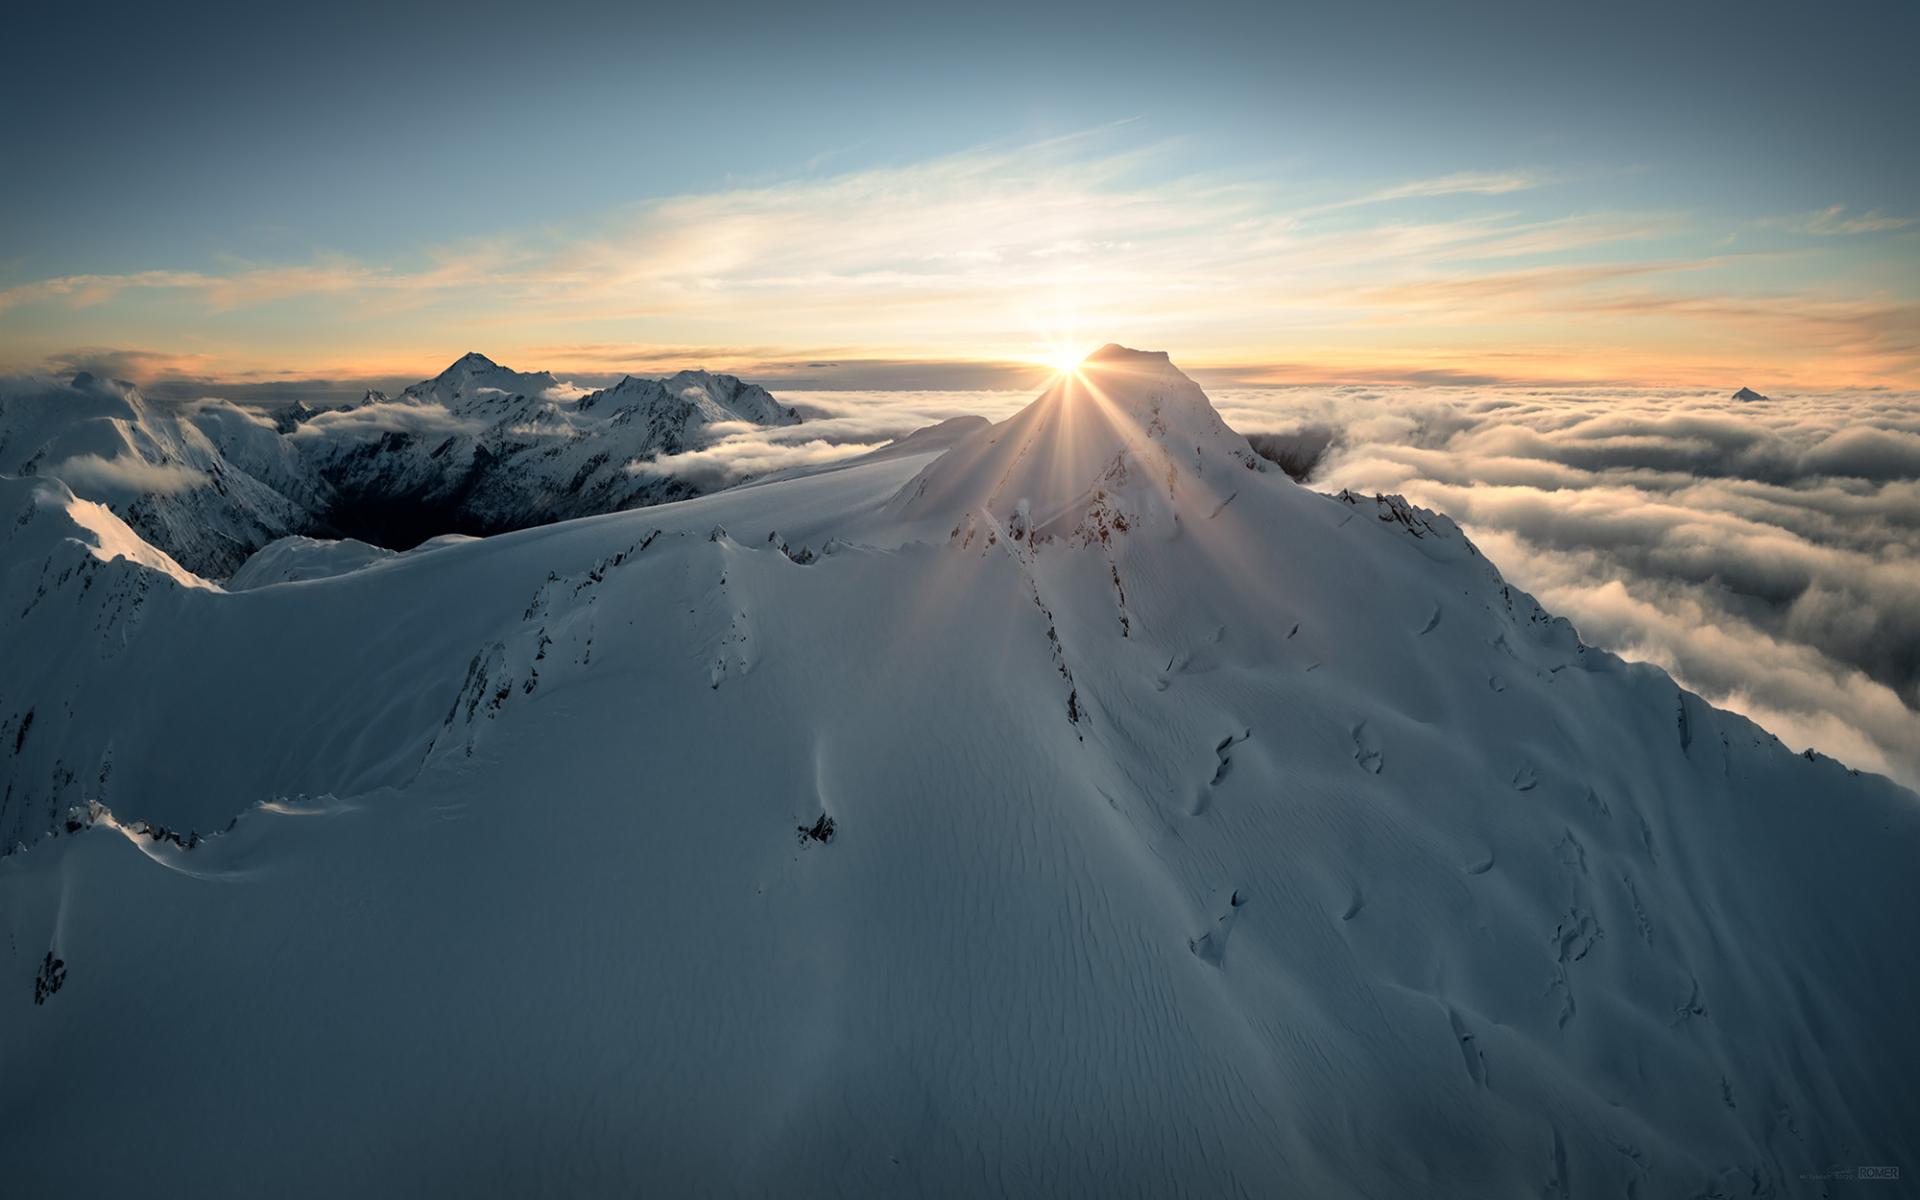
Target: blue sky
338	157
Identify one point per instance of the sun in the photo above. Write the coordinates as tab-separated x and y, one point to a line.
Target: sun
1064	360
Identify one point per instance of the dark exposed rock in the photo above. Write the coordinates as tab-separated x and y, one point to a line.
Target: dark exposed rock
53	974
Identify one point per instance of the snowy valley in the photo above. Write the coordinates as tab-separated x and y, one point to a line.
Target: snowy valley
1073	804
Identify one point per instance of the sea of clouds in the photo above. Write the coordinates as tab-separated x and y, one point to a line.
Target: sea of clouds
1766	553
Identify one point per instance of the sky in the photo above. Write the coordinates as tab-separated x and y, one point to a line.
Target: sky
1702	194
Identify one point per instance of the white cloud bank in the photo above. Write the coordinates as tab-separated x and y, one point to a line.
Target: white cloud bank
837	425
1767	554
371	420
89	474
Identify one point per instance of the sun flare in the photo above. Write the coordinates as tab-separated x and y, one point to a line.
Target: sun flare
1064	360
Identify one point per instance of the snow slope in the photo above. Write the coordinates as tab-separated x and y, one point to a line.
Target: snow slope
295	558
1078	806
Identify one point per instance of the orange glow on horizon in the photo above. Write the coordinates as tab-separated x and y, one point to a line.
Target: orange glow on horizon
1041	362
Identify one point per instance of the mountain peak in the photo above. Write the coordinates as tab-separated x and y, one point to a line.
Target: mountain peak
1143	383
473	360
1127	432
1114	352
699	396
474	379
1747	394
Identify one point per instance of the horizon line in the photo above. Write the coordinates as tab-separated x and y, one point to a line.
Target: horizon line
158	377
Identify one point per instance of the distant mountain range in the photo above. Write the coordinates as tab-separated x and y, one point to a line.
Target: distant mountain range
478	449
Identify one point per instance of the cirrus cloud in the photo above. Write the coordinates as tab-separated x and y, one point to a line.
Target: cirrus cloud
1002	252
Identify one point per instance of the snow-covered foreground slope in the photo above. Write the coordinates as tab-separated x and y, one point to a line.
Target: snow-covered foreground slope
1084	808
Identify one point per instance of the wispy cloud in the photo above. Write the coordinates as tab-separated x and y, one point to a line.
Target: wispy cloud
1461	183
998	254
734	459
130	363
125	476
1833	221
86	291
370	419
1469	293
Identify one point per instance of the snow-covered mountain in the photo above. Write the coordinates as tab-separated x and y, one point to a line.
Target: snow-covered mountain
209	482
481	449
477	449
1073	805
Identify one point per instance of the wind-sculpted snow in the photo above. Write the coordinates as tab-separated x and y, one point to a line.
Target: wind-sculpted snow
296	558
1074	807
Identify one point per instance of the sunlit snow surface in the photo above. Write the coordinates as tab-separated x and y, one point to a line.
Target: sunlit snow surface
1191	832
